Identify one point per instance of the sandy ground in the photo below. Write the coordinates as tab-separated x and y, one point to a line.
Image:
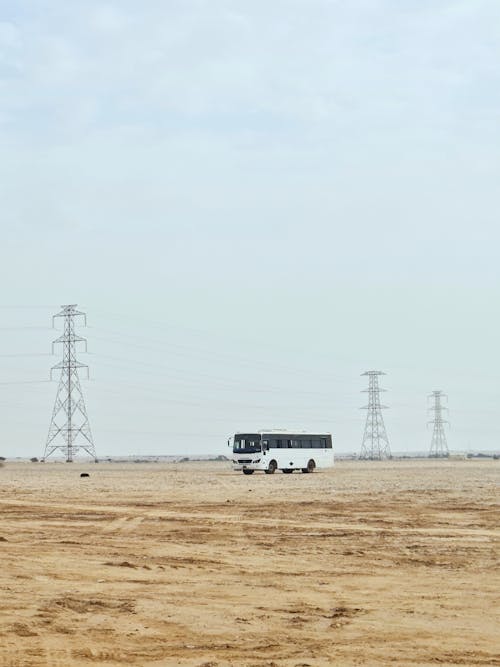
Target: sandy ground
142	564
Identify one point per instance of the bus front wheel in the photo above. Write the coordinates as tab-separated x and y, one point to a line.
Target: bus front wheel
247	472
271	468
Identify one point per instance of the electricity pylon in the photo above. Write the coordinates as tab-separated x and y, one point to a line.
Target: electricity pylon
439	446
69	417
375	445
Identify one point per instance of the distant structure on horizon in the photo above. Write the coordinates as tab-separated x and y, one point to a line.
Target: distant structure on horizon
375	445
69	417
439	446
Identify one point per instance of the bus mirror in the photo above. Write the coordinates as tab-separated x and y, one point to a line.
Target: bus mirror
229	442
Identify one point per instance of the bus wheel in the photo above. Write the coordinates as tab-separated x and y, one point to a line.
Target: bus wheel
247	472
287	470
271	468
311	465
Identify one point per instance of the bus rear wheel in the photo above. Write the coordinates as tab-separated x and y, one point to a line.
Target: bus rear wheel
311	465
271	468
247	472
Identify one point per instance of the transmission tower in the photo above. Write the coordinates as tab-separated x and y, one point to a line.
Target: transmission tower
69	417
439	446
375	445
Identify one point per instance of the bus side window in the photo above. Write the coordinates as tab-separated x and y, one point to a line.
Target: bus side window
277	444
289	443
323	443
265	445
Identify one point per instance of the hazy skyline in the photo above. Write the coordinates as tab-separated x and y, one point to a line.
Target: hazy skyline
254	203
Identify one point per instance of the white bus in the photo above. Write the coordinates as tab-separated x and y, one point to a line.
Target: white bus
281	450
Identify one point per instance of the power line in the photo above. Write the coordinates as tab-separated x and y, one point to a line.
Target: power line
25	328
180	376
188	352
10	382
26	307
13	355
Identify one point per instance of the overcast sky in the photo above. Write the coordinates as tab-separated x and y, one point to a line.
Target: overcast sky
254	202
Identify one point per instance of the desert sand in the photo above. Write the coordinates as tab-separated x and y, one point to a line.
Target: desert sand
369	563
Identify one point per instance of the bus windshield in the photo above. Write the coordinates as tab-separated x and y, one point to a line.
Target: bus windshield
246	444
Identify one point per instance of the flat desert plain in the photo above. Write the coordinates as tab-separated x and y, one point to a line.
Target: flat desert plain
369	563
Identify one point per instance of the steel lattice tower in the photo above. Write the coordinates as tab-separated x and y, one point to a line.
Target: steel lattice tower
375	445
439	446
69	417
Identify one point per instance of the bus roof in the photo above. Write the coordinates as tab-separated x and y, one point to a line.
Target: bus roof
284	431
